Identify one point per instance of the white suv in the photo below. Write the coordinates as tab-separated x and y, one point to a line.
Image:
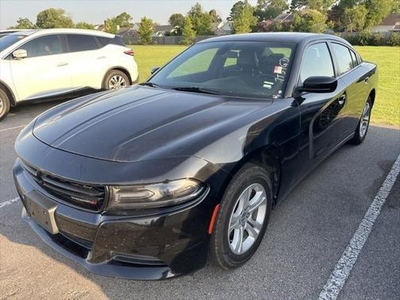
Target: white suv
53	63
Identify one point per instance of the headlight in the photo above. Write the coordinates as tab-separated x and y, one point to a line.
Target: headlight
154	195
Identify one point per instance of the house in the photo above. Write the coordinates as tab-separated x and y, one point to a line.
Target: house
163	30
223	28
285	17
389	24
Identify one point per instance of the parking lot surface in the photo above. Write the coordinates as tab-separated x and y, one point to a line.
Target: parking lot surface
306	238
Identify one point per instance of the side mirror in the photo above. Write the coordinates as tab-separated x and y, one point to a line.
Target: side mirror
154	70
20	54
318	84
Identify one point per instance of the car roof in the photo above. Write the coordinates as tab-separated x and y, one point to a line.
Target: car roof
64	30
285	37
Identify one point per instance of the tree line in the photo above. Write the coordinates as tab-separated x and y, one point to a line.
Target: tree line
305	16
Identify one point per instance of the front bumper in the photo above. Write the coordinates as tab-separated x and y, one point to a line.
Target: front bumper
135	247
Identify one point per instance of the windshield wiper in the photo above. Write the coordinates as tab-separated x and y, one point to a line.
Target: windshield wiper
150	84
196	89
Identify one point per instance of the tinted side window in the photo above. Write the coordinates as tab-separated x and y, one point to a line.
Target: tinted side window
117	40
44	45
104	41
317	61
80	42
343	58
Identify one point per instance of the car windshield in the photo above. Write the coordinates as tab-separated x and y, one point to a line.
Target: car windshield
9	39
234	68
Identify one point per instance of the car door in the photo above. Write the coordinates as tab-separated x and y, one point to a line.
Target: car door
88	63
44	72
354	76
321	113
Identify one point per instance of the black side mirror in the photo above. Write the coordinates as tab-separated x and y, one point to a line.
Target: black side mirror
153	70
318	84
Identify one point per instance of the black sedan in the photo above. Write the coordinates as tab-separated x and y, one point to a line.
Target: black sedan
148	182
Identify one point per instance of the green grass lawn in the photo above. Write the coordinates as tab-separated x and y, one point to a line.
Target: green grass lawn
387	104
148	57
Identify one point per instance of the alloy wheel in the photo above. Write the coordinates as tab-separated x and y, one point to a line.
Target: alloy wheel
247	218
116	82
365	119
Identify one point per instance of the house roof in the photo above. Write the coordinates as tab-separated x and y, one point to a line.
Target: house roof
164	28
284	17
391	20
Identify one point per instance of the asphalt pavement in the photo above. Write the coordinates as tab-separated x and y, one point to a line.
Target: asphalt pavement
306	238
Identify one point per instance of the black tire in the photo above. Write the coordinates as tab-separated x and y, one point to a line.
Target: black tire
4	104
115	80
225	251
363	124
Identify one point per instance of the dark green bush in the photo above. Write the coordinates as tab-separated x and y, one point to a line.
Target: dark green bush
372	38
394	39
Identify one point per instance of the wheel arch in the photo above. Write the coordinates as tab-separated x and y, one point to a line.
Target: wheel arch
9	93
269	158
121	69
372	95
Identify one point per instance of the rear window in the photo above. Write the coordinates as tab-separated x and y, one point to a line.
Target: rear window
117	40
104	41
81	42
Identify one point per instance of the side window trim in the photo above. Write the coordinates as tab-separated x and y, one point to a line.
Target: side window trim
335	58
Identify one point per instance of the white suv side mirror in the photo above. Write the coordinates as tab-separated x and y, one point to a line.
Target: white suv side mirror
20	54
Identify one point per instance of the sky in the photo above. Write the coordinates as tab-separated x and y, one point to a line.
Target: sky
96	11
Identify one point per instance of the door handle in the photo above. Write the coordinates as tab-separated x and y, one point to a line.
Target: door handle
366	80
62	65
342	99
101	57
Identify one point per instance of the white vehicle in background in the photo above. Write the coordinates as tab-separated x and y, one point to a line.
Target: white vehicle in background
54	63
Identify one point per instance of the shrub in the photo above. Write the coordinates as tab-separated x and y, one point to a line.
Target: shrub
394	39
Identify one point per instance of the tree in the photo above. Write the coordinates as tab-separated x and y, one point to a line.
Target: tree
146	30
296	4
176	20
377	11
309	20
396	7
84	25
188	33
23	23
201	20
354	18
243	18
374	13
215	18
123	20
110	26
53	18
268	10
320	5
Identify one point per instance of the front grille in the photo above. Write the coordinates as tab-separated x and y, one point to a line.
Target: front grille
81	195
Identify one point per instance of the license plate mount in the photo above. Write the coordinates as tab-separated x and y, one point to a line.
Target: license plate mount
42	211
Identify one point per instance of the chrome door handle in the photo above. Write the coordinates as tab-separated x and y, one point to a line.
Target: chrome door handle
62	65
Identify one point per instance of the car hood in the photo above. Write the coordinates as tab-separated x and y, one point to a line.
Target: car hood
142	123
